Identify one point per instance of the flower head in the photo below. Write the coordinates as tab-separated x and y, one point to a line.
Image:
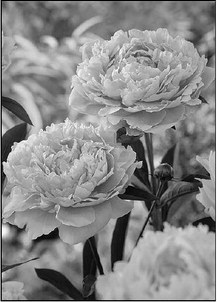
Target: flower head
7	47
12	290
68	177
177	264
144	80
207	192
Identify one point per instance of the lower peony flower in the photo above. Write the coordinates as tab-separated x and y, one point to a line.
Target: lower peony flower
7	47
67	177
207	193
177	264
12	290
142	80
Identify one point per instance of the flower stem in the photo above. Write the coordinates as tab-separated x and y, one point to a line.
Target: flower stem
149	146
157	213
92	244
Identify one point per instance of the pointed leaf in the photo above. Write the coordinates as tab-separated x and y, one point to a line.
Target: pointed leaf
168	158
118	239
6	267
15	134
59	281
177	190
132	193
16	109
193	178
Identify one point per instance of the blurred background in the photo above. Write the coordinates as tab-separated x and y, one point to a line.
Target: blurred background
48	35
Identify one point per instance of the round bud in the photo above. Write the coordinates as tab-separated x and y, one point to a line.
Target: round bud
164	172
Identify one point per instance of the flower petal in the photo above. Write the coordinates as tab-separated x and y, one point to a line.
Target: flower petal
73	235
37	222
208	76
76	217
120	207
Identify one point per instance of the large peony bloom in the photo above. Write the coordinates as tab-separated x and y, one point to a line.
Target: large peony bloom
177	264
67	177
207	193
143	80
12	290
7	47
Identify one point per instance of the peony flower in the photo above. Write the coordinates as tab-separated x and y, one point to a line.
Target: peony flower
7	47
144	80
177	264
12	290
207	192
67	177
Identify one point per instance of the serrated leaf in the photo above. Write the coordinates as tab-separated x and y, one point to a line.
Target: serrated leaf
6	267
15	134
88	285
118	239
168	158
16	109
59	281
184	210
176	190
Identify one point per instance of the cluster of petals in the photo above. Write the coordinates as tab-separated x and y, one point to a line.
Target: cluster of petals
143	80
68	177
207	195
176	264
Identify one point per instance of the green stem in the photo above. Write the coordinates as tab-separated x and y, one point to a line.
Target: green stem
92	244
157	213
149	145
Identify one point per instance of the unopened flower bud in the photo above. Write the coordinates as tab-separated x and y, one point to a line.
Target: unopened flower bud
164	172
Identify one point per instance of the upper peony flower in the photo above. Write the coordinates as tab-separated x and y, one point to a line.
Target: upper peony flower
143	80
207	193
67	177
12	290
7	47
177	264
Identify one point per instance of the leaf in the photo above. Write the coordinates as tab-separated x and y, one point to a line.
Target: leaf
17	109
59	281
6	267
88	285
89	269
118	239
206	221
15	134
177	190
184	210
168	158
203	99
137	146
132	193
193	178
89	264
